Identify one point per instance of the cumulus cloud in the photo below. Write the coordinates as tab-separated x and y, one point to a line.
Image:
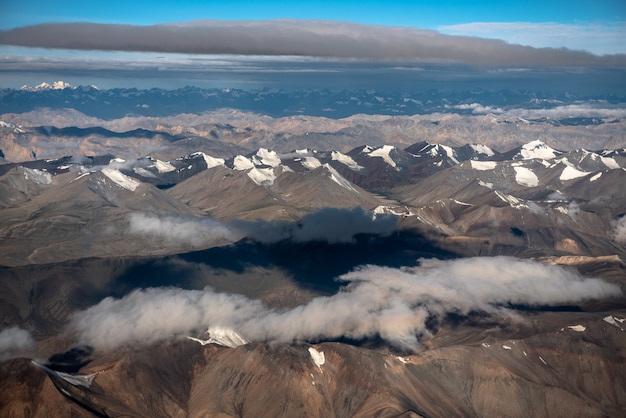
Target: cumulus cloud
619	230
391	303
177	230
14	341
296	38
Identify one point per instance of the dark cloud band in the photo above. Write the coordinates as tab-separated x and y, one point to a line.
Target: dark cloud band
322	39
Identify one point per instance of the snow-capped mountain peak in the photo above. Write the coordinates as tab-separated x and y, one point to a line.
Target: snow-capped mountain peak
56	85
538	149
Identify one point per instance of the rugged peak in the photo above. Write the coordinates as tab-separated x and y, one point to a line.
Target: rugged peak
537	149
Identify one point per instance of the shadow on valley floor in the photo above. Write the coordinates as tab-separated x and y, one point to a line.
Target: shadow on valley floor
311	265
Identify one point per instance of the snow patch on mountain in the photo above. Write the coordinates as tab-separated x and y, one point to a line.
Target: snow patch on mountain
37	176
266	157
570	173
210	161
74	380
538	149
337	178
482	149
483	165
242	163
513	201
121	179
311	163
163	166
317	356
143	172
346	160
262	176
526	177
577	328
596	177
222	336
485	184
383	152
613	320
610	163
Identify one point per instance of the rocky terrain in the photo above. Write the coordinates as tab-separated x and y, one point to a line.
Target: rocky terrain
231	264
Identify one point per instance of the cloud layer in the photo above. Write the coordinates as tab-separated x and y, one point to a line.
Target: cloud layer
14	341
330	224
297	38
391	303
175	230
619	230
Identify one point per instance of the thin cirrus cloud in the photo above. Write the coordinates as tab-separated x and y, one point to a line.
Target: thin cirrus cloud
322	39
605	38
394	304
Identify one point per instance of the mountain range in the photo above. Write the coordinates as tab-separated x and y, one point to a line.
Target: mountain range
237	264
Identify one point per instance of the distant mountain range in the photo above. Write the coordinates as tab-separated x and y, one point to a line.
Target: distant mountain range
120	102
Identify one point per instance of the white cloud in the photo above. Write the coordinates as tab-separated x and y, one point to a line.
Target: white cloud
619	230
176	230
14	341
392	303
605	38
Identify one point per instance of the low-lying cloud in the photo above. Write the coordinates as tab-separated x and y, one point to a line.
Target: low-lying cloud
331	225
376	301
176	230
619	230
325	39
14	341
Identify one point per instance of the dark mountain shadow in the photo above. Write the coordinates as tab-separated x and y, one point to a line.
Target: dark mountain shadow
312	265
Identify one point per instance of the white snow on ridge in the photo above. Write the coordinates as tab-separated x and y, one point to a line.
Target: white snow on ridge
525	177
577	328
163	166
610	163
537	149
610	319
37	176
311	163
242	163
435	151
596	177
383	152
267	157
317	357
482	149
262	176
143	172
345	159
222	336
121	179
513	201
570	173
74	380
483	165
336	177
210	161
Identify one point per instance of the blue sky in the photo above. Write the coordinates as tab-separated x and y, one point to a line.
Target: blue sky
423	14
